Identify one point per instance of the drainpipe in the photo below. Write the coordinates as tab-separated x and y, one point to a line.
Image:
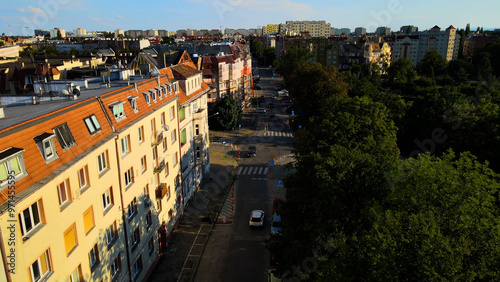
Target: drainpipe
123	206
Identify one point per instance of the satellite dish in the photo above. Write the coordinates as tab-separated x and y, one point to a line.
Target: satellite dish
166	127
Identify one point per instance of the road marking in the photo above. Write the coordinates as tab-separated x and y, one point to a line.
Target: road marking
239	170
265	171
244	171
260	170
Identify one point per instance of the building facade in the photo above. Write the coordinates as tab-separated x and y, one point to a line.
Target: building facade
314	28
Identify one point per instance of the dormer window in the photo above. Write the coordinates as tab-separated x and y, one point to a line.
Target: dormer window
175	85
92	124
153	95
11	166
64	136
117	108
45	143
158	92
147	98
164	89
133	103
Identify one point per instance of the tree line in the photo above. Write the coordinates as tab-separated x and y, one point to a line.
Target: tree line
396	174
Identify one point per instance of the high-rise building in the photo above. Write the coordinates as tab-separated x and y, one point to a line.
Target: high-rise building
314	28
360	31
383	30
270	28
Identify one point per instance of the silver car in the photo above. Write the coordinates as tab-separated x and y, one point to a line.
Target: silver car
256	218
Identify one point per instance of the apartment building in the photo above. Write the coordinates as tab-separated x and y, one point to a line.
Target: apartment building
270	29
90	189
314	28
414	46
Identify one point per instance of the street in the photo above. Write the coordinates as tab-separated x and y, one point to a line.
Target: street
236	252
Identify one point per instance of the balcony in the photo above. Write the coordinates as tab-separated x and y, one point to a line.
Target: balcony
156	139
199	114
160	166
161	190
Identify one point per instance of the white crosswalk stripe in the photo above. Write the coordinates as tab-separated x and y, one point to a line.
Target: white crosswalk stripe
278	134
252	170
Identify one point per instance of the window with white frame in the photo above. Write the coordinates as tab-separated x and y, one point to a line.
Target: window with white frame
133	103
141	134
175	159
64	136
172	112
76	275
83	177
118	112
92	124
144	165
111	233
129	177
107	199
173	136
132	208
30	218
125	145
147	97
11	166
115	266
64	192
93	257
45	143
102	161
153	95
41	267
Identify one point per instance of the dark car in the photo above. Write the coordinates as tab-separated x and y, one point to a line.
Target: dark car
252	151
279	87
257	86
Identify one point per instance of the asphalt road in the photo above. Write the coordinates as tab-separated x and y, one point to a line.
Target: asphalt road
237	252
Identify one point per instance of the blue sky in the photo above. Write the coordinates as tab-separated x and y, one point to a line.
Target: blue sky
108	15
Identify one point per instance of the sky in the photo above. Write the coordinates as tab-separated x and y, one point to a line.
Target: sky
24	16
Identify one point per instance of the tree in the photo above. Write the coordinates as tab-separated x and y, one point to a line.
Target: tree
440	223
230	113
401	72
167	40
59	35
459	70
269	55
432	64
341	157
107	34
293	59
314	85
257	49
73	51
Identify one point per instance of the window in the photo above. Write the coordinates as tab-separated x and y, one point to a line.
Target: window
144	165
41	267
153	128
70	240
135	238
30	218
149	220
172	112
45	143
173	136
129	177
141	134
182	114
83	177
197	129
76	275
151	245
147	98
111	233
132	208
153	95
115	266
93	257
168	192
164	144
125	145
166	169
133	103
64	136
183	137
175	159
102	161
88	219
158	205
64	192
158	91
162	118
117	108
137	267
92	124
11	165
107	199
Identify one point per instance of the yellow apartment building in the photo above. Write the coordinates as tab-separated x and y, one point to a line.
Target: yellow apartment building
90	190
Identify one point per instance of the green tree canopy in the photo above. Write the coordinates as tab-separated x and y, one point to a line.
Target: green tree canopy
432	64
401	73
292	60
229	113
257	49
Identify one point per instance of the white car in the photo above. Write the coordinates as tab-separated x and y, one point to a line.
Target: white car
256	218
283	93
260	110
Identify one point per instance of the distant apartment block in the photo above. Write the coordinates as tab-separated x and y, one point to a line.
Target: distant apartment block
415	46
360	31
408	29
314	28
270	28
55	32
383	30
79	32
119	32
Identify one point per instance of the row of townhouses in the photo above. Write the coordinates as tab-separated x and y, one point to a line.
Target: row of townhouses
94	181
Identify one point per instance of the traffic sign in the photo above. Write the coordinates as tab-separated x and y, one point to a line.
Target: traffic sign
280	182
272	162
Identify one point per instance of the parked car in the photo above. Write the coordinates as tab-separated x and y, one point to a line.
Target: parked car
256	218
276	225
260	110
257	86
270	105
252	151
256	77
279	87
283	93
273	96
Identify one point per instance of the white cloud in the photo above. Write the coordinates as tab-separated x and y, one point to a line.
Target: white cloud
22	10
36	10
120	16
